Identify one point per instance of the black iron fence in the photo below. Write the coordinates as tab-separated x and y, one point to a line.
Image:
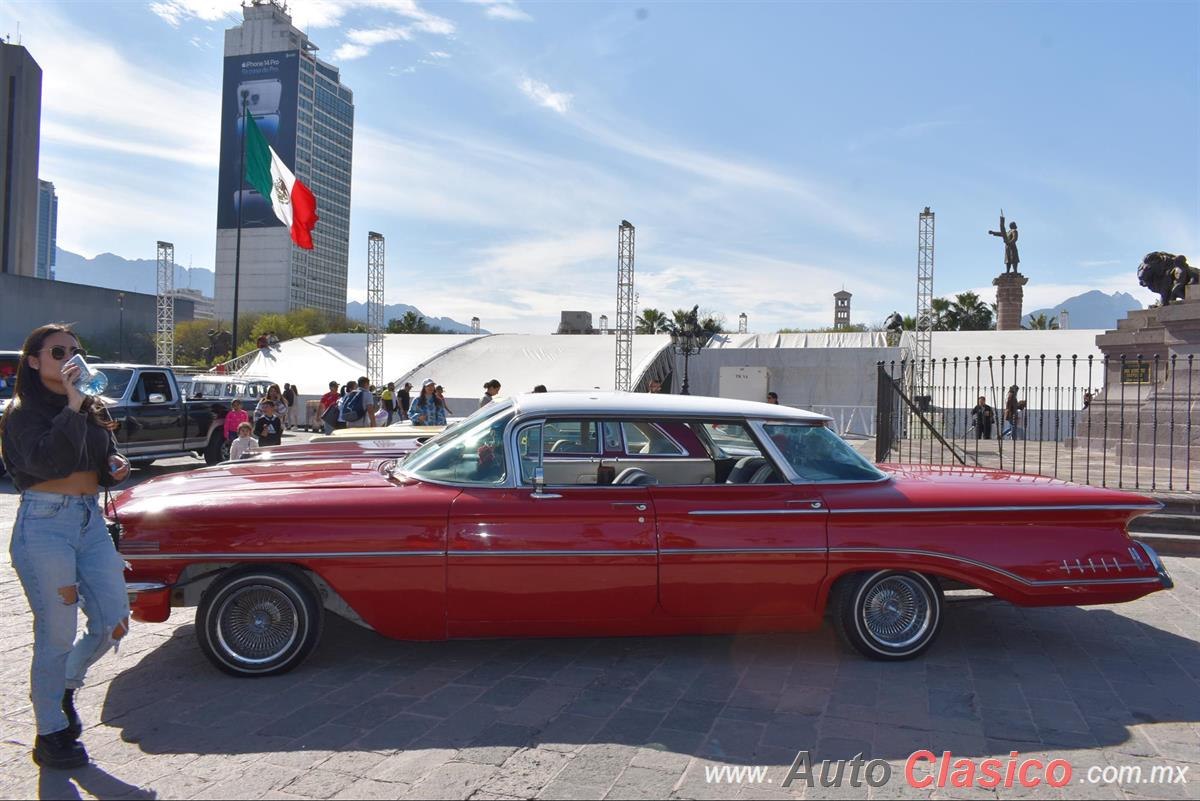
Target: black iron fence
1130	423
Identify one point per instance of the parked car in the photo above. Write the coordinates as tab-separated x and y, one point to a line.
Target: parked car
383	447
155	421
589	514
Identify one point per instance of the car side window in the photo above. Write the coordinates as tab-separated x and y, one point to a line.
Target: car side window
153	383
647	439
572	436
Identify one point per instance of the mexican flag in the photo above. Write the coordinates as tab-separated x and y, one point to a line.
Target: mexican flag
292	201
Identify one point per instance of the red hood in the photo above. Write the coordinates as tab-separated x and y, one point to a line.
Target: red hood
248	484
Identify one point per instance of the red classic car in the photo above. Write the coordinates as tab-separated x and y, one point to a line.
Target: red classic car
566	514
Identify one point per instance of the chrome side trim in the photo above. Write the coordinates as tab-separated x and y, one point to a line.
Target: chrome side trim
1000	570
1159	567
926	509
646	552
741	512
135	588
298	555
691	551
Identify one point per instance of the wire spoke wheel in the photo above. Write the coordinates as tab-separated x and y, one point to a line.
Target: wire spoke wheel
896	612
257	624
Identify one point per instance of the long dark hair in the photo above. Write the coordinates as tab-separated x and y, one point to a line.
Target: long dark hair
29	390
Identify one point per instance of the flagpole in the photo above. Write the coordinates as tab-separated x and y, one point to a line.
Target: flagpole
237	259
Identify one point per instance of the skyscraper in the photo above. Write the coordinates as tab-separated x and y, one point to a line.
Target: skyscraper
20	128
47	230
307	115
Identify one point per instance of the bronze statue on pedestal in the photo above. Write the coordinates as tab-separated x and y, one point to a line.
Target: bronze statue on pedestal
1011	258
1167	274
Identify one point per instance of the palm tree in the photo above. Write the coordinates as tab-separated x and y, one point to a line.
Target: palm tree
943	315
1041	323
651	321
971	313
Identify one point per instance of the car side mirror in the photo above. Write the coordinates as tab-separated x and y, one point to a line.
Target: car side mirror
157	397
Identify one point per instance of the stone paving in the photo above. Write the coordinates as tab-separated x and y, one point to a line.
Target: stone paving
367	717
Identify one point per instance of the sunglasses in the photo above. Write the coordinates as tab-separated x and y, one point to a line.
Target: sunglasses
58	352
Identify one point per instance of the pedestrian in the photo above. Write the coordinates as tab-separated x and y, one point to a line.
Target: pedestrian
364	404
388	397
773	398
220	368
490	390
263	345
289	397
59	448
540	388
425	409
243	445
272	340
440	394
1087	398
1012	415
276	398
269	427
234	418
405	398
982	417
329	410
655	386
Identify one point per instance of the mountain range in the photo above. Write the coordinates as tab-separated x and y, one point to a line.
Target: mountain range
1094	309
141	275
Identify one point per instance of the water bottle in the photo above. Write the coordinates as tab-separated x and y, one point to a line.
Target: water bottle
90	382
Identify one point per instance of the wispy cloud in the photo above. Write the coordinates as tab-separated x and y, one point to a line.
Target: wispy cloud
360	41
438	54
503	9
176	12
305	14
543	95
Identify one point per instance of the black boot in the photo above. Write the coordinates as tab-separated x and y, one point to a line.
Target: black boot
74	724
59	750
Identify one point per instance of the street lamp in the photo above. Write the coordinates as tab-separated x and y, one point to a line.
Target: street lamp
686	341
121	334
743	321
604	324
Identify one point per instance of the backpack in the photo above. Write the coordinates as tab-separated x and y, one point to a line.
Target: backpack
352	411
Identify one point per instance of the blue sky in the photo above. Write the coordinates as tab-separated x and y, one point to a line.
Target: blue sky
768	153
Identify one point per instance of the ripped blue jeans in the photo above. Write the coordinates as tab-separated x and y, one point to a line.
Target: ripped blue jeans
64	556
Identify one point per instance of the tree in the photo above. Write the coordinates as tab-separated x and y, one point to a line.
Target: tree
970	312
651	321
1041	323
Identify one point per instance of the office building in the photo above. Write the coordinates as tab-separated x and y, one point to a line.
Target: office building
307	115
20	127
203	307
47	230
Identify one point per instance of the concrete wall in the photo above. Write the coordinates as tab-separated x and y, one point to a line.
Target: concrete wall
26	303
839	382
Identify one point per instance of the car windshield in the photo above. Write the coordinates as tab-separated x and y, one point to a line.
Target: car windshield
118	382
473	453
818	454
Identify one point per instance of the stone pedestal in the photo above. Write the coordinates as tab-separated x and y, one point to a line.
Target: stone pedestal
1152	381
1010	294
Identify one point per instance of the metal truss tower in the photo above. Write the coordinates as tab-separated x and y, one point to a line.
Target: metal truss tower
625	301
924	332
375	308
164	334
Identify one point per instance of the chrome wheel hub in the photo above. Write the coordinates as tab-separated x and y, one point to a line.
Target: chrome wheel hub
896	611
257	624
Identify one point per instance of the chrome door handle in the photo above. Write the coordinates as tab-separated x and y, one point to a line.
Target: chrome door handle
811	504
641	507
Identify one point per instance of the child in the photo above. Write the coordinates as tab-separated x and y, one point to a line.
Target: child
268	428
243	445
234	420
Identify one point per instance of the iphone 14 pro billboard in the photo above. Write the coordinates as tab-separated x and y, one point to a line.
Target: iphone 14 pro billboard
267	84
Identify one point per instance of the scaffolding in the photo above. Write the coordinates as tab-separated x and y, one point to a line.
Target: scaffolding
164	332
924	327
375	308
624	327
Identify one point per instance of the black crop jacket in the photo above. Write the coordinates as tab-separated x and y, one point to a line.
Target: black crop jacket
48	441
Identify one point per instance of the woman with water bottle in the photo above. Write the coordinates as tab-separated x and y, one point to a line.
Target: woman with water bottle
57	443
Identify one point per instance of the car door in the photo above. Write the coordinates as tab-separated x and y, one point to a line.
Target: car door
518	557
154	417
750	546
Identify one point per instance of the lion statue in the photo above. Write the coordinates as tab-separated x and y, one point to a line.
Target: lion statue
1167	274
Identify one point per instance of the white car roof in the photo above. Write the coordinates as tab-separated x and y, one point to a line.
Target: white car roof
644	403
